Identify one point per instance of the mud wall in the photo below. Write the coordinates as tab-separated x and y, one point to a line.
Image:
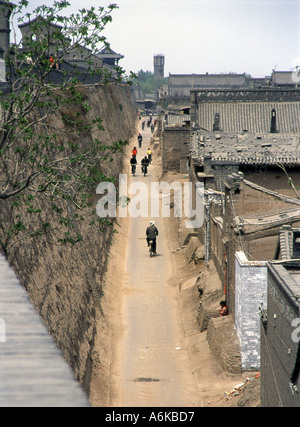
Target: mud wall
175	147
64	282
224	344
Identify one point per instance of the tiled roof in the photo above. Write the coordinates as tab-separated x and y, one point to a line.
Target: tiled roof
177	119
245	148
33	372
181	84
107	52
255	117
249	224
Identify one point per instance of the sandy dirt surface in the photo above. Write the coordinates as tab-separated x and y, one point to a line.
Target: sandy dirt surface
150	346
154	367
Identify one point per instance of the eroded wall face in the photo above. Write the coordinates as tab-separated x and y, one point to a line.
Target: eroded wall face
63	280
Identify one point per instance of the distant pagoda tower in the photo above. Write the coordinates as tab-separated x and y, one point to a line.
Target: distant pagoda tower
159	66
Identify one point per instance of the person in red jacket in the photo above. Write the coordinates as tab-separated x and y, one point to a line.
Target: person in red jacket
134	151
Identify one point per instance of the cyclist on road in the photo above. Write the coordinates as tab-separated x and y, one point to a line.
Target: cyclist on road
133	163
134	151
145	164
140	139
152	233
149	152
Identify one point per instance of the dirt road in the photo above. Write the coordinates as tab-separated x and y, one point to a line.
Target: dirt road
153	368
151	352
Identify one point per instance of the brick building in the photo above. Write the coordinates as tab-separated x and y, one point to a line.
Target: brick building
280	354
250	297
77	59
244	148
280	338
174	136
177	93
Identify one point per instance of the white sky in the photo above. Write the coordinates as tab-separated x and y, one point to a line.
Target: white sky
199	36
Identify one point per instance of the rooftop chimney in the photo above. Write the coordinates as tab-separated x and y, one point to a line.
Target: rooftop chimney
273	121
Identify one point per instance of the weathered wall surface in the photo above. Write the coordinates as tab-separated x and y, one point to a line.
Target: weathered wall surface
280	341
223	343
64	282
175	143
250	295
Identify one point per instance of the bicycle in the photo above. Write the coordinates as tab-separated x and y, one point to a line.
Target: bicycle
152	251
144	170
133	169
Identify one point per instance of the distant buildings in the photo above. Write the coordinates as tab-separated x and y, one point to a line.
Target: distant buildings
237	129
76	61
159	66
5	12
177	94
149	102
243	139
109	56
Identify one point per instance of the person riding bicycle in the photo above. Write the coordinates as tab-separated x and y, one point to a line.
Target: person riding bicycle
149	153
140	139
133	163
145	164
152	233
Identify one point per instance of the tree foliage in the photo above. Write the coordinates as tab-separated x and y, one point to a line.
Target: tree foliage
147	82
36	157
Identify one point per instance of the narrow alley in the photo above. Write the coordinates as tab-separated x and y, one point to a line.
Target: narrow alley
154	368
